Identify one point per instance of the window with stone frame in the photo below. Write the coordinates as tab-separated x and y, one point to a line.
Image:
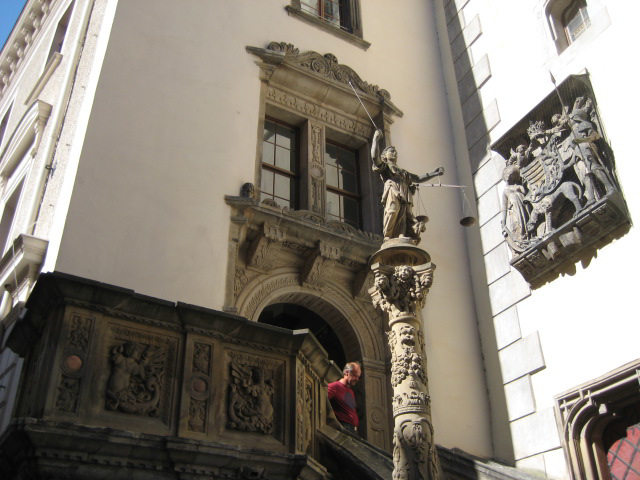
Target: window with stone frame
279	171
567	20
343	180
313	149
340	17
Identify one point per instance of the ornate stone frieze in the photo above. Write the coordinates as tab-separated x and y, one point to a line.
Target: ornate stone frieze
199	387
326	65
254	391
135	383
142	368
561	199
74	358
310	109
20	41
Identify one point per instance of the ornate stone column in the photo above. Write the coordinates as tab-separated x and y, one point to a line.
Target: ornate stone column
403	276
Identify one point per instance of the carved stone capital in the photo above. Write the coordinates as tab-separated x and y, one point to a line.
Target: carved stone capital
401	290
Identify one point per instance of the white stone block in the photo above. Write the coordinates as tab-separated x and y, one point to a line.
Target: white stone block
555	464
488	206
508	290
491	235
507	327
533	465
486	177
535	434
497	263
521	357
519	395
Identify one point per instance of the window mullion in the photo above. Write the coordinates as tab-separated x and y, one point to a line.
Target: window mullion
313	190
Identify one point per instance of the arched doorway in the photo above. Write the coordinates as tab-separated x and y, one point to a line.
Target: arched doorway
296	317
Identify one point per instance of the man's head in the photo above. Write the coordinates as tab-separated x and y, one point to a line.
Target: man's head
351	374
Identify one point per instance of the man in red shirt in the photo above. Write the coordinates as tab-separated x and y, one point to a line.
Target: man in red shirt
342	398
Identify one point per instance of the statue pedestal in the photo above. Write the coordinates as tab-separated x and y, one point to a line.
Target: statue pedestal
403	276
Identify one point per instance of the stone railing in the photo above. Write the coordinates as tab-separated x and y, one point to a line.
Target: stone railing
112	378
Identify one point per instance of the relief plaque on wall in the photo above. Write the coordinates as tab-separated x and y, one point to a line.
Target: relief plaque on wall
561	200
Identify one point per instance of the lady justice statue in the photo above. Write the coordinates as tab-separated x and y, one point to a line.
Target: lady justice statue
399	187
403	275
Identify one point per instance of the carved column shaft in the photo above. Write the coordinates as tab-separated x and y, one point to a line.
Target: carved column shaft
400	290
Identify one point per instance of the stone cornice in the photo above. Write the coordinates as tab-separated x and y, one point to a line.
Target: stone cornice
21	39
31	125
308	226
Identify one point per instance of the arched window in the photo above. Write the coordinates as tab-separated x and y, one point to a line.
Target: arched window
567	20
575	20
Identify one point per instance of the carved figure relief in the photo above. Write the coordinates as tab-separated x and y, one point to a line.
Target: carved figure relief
403	291
414	451
563	170
136	378
250	399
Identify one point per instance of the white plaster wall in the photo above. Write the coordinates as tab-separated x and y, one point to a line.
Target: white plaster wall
586	324
173	130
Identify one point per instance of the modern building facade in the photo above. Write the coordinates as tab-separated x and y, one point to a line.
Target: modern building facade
213	158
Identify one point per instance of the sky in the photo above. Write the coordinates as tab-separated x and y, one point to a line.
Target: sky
9	13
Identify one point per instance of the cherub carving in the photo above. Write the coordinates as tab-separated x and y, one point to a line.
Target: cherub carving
136	378
250	399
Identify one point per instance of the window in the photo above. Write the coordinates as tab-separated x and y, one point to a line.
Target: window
61	31
331	11
339	17
279	164
3	124
575	20
343	191
568	20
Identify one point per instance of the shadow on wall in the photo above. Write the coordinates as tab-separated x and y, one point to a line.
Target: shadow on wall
480	116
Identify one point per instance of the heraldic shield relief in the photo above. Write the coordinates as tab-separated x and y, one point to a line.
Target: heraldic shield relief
561	193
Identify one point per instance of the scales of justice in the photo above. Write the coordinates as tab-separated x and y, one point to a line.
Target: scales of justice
403	275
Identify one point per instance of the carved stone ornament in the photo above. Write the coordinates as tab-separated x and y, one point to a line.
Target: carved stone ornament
326	65
561	194
400	289
135	384
250	399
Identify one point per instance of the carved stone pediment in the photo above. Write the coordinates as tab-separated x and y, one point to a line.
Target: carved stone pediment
562	200
284	65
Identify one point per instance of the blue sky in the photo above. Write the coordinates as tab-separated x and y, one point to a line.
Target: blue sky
9	13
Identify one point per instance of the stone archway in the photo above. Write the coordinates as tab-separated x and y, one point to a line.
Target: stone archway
295	317
355	322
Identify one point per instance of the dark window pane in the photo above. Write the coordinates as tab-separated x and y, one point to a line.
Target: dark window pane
267	153
351	211
349	182
331	157
285	137
347	160
269	131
